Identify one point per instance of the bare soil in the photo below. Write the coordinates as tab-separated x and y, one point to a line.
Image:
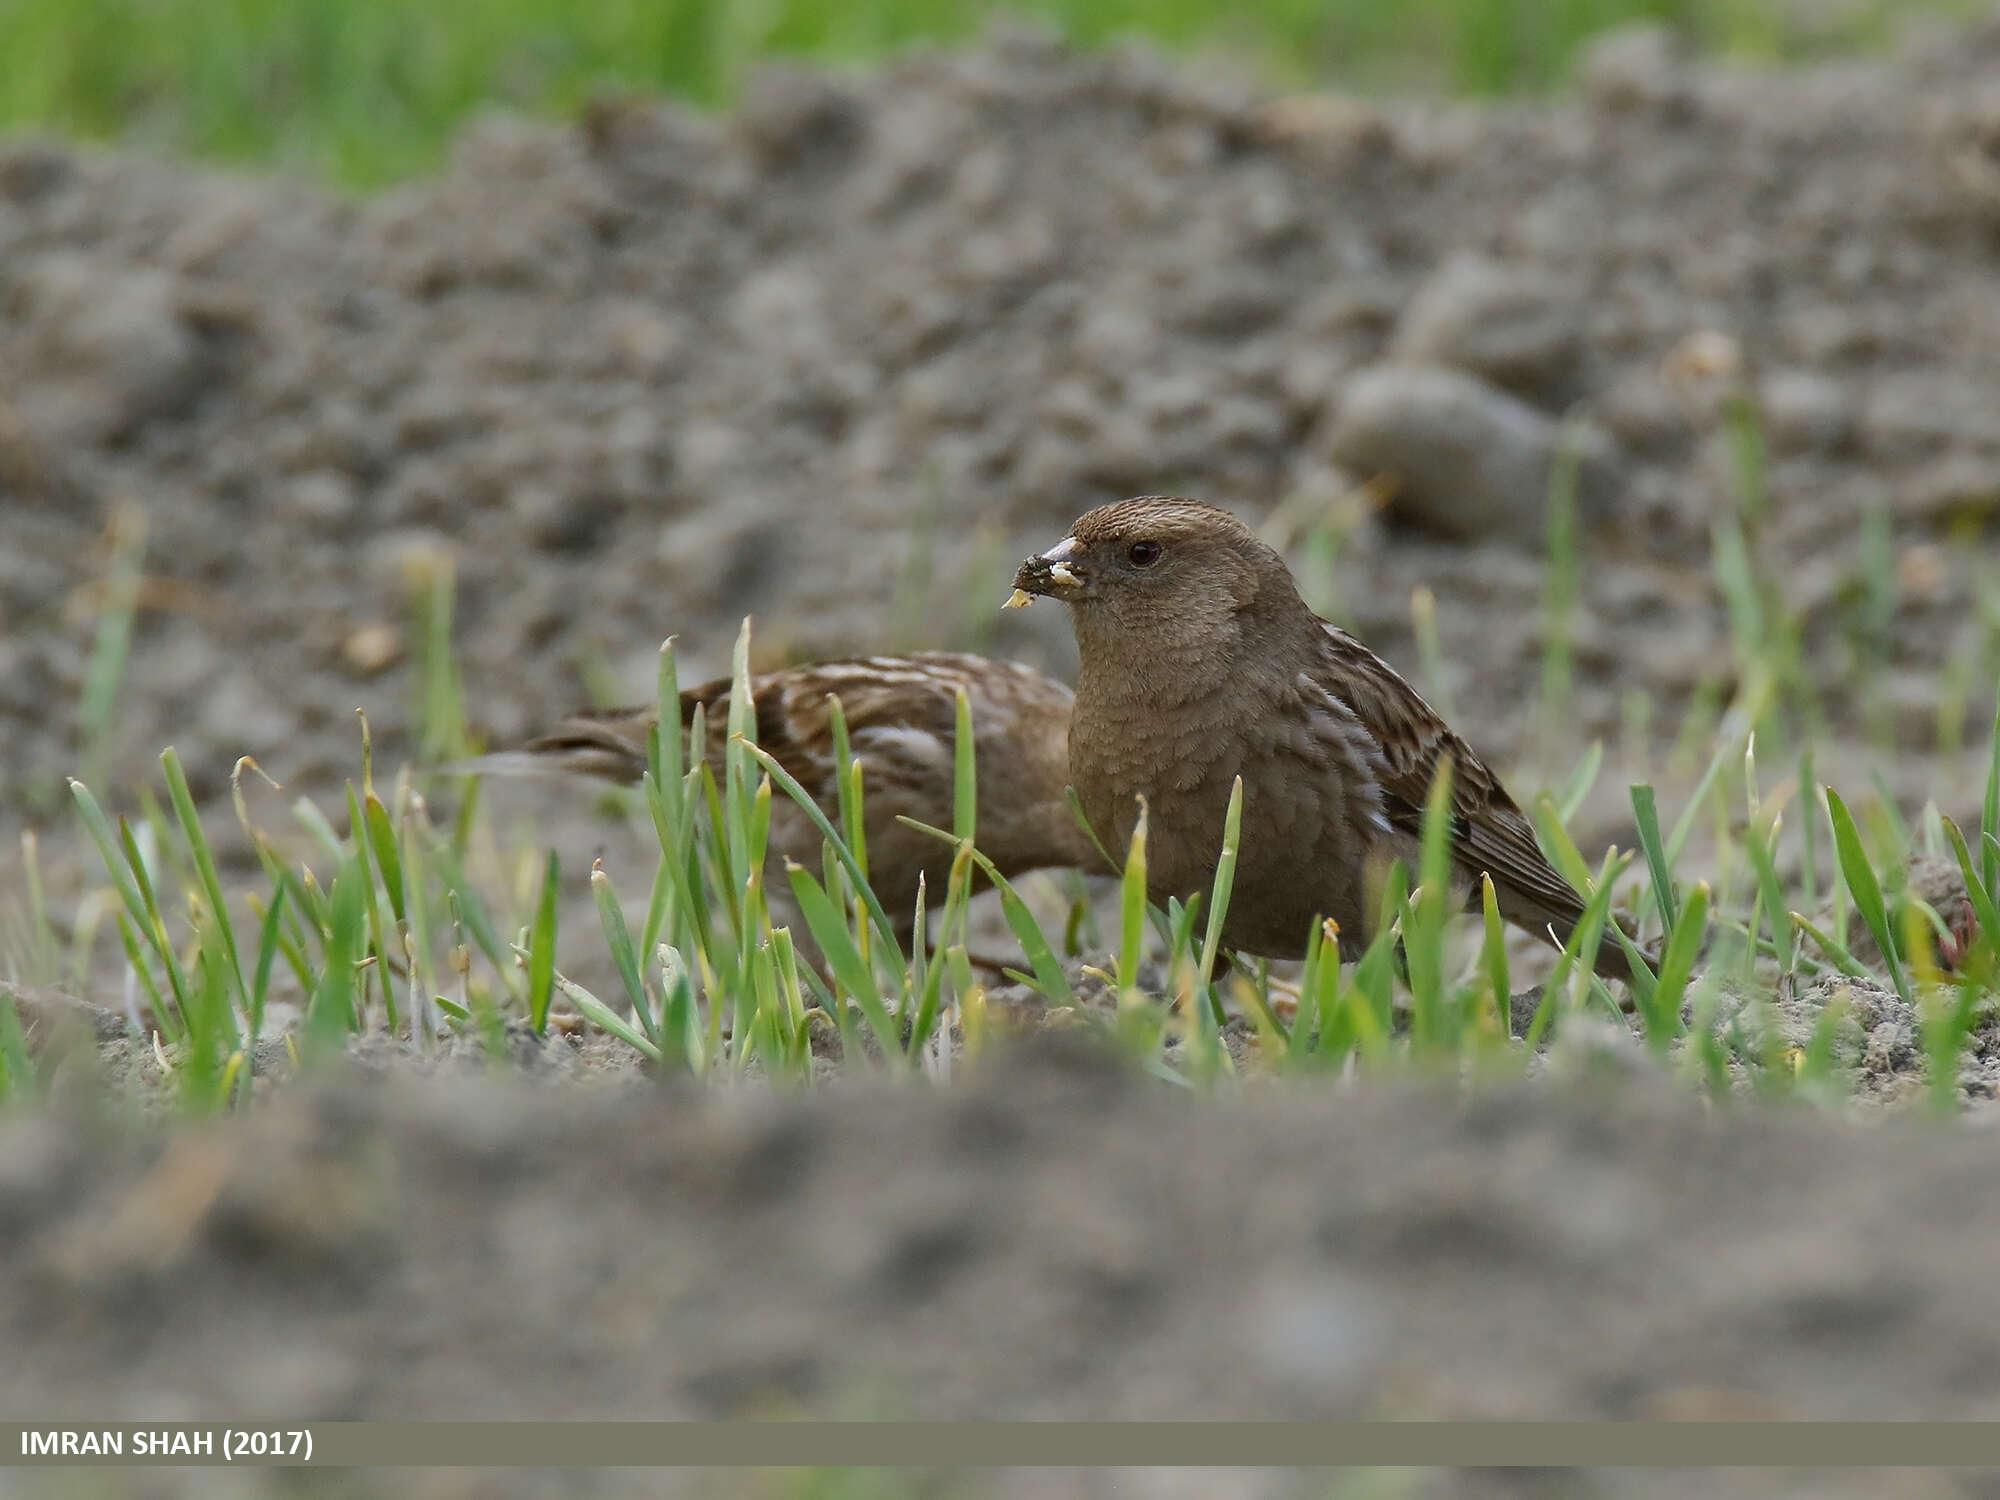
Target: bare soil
1051	1238
838	361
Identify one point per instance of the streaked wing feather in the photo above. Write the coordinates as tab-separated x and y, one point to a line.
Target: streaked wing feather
1490	832
895	694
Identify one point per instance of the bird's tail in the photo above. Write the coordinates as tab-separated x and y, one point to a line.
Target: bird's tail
609	744
1554	928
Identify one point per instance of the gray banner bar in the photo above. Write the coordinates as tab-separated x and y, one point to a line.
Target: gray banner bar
1003	1444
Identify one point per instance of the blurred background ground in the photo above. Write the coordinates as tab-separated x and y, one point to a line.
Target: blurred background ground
841	355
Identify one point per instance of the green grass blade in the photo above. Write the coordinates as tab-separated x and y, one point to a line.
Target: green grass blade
1375	973
153	924
736	777
1076	812
472	912
930	986
204	864
607	1020
1581	780
1596	919
331	1014
542	948
1424	922
414	835
1178	928
441	736
857	800
1132	905
1989	815
759	832
885	930
1306	1023
1646	815
1984	907
364	851
1493	955
844	786
1844	961
1218	901
1760	843
1662	1016
108	851
211	1035
918	979
1859	877
43	955
716	831
680	1023
298	929
624	953
1726	751
965	774
678	889
320	827
1558	845
1808	831
1892	833
786	954
664	745
383	848
837	944
268	937
770	1035
1049	978
165	1017
659	900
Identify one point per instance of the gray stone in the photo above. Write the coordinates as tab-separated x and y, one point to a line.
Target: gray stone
1515	326
1805	411
109	347
1470	461
1634	68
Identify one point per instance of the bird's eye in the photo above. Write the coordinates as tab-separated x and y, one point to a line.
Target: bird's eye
1145	554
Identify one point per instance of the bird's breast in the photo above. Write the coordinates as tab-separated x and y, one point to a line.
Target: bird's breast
1180	764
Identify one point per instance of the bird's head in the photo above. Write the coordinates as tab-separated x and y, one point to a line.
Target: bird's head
1177	574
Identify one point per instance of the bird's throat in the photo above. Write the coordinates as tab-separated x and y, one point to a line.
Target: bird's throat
1146	671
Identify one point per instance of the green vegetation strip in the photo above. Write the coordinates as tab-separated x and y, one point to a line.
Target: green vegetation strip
363	92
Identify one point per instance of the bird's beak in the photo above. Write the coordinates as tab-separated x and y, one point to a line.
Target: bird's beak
1049	573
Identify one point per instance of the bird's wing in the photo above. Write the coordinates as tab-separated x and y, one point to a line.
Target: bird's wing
901	714
1489	833
611	742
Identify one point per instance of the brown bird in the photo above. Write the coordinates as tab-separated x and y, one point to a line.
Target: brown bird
902	726
1200	663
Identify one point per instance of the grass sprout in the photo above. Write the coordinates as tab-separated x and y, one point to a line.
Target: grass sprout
367	915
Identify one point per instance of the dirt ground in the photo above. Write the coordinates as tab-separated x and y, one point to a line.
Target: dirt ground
838	361
841	359
1049	1239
